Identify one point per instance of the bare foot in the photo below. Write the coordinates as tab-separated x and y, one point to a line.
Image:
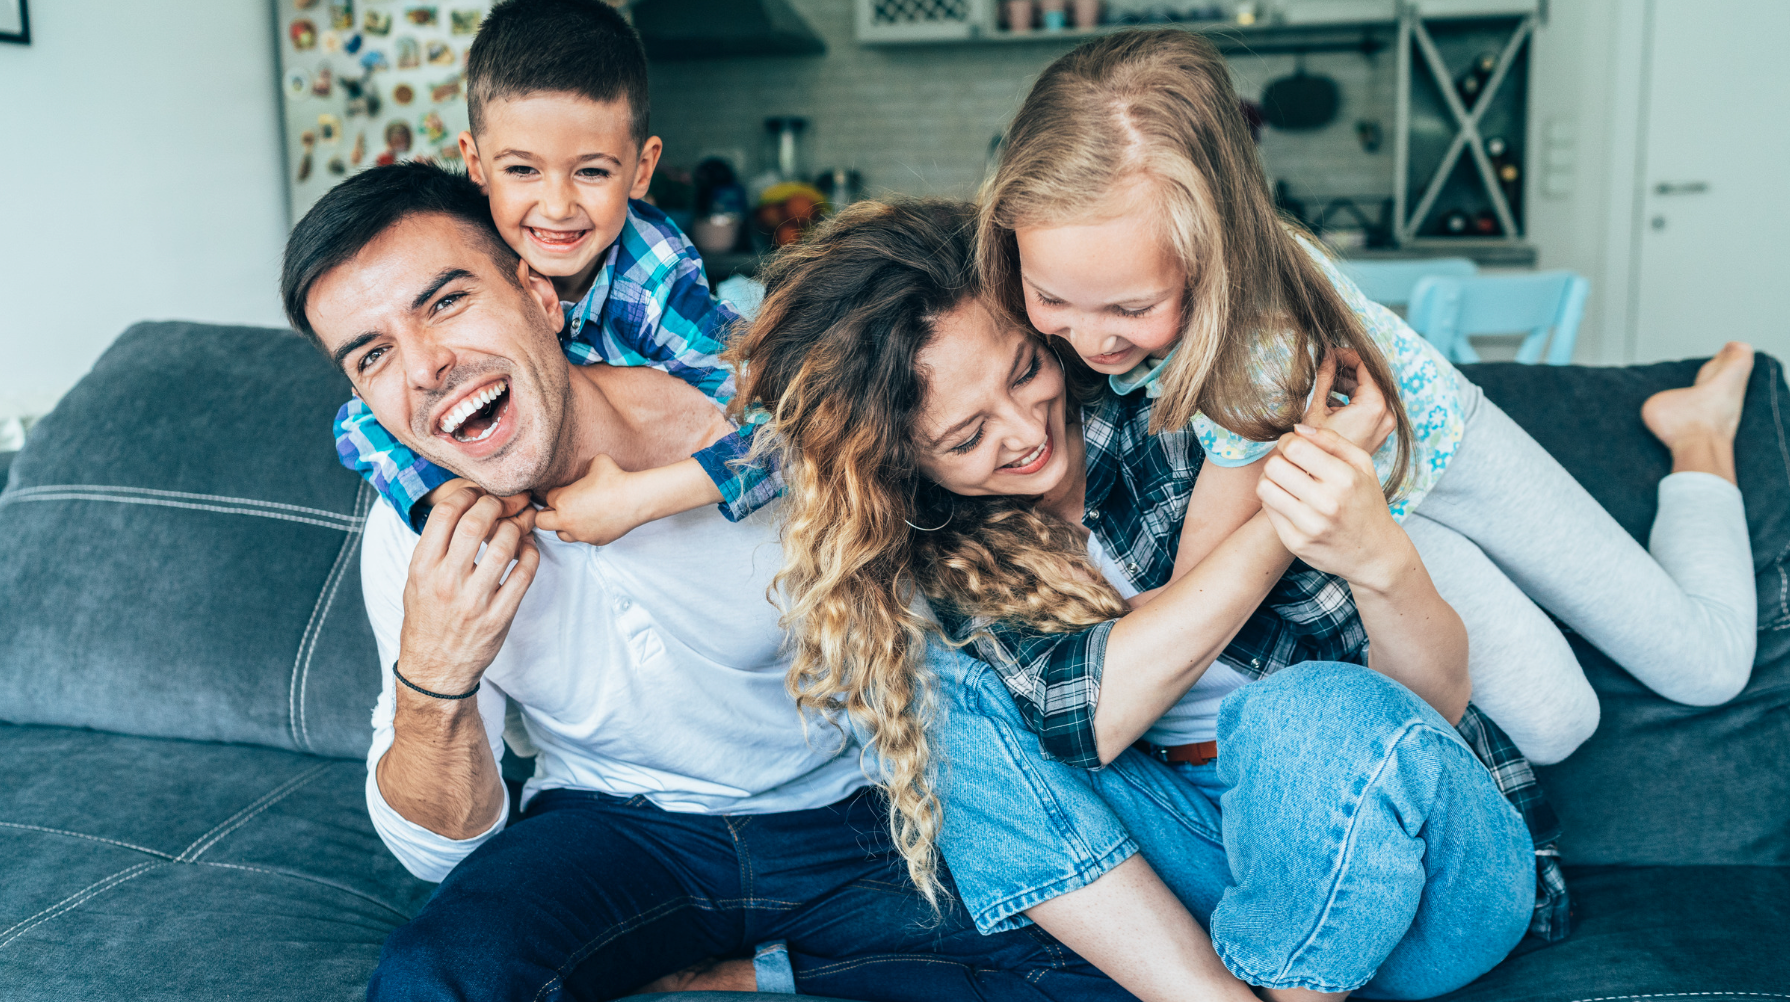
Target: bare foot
736	975
1698	422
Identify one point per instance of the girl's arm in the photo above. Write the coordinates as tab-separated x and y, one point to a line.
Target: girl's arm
1322	495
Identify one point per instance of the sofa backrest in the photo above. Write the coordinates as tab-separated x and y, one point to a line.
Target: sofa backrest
179	549
1661	783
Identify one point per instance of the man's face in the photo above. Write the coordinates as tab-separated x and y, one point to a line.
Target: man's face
455	357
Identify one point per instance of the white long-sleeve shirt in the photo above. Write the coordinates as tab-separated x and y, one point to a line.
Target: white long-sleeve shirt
653	666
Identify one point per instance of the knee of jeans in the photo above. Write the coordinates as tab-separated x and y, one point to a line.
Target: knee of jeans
1319	699
416	963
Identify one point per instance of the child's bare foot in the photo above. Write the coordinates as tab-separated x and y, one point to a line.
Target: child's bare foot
1698	422
736	975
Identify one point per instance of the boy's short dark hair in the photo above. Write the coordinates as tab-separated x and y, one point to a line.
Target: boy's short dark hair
354	213
579	47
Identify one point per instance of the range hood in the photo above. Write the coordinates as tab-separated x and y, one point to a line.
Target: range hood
704	29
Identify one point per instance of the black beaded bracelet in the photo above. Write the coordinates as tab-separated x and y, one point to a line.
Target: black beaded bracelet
438	695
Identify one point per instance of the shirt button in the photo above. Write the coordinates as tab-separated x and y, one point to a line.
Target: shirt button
623	605
1131	567
1093	514
1255	662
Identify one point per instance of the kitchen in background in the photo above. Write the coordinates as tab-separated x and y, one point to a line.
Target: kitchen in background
910	96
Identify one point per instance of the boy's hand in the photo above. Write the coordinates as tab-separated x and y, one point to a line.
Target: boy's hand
600	507
511	505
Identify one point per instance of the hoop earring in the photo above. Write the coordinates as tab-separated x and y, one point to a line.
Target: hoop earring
915	504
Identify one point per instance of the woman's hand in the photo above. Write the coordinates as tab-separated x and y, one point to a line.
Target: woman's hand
1321	492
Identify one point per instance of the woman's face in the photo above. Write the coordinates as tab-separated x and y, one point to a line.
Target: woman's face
993	418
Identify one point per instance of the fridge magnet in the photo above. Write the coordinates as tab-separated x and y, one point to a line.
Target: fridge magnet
423	17
304	4
304	168
373	59
304	34
332	42
308	140
433	129
298	84
341	16
397	136
359	152
464	22
439	54
408	54
377	22
337	167
442	93
403	93
329	129
322	81
352	43
449	153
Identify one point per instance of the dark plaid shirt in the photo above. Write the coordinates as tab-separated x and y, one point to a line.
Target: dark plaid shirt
1138	486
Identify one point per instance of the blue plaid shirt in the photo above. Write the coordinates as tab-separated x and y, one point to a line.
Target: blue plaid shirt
1136	501
648	305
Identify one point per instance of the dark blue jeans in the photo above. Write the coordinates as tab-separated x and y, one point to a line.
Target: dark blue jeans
590	896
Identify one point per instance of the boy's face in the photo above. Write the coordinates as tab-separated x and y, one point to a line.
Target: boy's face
559	169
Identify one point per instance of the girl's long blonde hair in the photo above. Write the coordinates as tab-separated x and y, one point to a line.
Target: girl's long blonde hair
834	356
1157	106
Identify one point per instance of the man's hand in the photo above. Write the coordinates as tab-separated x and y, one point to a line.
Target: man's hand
458	605
512	505
609	502
1323	497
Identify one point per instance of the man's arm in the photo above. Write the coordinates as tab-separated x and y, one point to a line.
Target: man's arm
439	772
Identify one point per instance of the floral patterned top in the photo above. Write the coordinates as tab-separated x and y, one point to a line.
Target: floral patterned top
1426	384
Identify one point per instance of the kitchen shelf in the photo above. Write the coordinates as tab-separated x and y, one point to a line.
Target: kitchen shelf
1366	37
1487	252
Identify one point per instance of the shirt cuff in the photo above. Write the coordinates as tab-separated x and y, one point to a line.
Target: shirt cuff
426	854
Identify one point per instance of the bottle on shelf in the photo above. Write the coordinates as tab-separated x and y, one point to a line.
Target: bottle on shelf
1470	84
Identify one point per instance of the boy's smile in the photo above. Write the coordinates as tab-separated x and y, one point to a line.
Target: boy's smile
559	169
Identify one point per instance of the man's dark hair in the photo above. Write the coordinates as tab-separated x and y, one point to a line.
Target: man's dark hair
354	213
579	47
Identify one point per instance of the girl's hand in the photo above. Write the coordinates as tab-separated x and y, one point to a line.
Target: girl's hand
1323	498
1366	420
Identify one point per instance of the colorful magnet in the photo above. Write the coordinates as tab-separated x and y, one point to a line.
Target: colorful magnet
332	42
304	4
329	129
373	59
442	93
322	81
351	44
434	130
341	16
298	84
403	93
359	153
408	54
304	34
377	22
304	168
397	136
439	54
423	17
464	22
337	167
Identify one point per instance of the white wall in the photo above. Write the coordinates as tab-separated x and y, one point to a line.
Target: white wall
140	178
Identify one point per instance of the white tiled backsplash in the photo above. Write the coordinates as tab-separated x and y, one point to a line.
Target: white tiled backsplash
919	119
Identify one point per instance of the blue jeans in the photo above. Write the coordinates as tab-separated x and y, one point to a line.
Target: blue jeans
590	896
1346	839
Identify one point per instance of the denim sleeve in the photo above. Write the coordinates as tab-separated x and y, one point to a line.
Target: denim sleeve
1054	679
399	475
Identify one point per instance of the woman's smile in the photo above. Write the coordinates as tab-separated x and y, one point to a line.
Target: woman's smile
1033	461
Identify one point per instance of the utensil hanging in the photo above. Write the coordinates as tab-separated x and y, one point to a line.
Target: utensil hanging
1301	102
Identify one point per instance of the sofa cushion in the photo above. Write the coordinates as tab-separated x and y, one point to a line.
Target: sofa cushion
1660	783
178	549
152	869
1708	933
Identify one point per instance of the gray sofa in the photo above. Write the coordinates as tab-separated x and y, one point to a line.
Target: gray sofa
186	674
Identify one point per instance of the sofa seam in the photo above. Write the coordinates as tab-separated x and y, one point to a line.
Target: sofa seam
1685	995
95	838
204	842
307	645
75	900
157	502
48	488
295	875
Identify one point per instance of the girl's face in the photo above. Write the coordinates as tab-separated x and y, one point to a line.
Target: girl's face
993	419
1108	288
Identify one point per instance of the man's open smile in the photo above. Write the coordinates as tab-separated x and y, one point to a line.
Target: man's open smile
477	417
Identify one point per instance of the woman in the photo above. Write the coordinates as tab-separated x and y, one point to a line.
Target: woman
1347	837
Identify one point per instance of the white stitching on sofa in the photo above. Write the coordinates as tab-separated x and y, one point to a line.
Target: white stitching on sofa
11	497
294	875
307	644
75	900
96	838
242	817
1687	995
42	488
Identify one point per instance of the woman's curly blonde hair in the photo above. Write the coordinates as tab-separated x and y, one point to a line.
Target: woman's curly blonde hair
833	356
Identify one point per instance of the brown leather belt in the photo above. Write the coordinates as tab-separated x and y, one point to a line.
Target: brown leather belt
1198	753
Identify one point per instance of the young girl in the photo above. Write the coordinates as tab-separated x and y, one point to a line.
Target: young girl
1130	218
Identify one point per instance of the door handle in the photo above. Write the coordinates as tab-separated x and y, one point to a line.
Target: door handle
1681	188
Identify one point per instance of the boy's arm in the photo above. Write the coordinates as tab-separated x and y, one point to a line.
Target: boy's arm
608	502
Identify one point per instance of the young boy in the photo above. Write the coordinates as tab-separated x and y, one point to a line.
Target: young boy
557	101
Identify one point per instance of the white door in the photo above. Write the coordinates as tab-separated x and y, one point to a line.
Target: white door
1714	226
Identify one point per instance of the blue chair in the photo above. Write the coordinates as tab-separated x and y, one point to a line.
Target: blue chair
1447	311
1390	283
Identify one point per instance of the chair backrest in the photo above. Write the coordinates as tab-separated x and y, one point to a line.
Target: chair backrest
1545	305
1390	283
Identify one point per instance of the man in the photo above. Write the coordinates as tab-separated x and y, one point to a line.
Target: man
680	810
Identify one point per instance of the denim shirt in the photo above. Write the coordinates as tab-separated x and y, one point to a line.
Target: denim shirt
1135	503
